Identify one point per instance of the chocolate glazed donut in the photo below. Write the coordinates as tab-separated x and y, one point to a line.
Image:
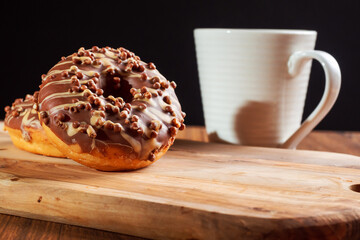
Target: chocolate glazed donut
22	123
107	109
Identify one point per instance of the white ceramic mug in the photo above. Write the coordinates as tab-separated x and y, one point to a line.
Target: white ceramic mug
254	82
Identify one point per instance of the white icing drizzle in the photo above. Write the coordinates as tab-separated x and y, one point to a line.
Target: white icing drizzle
98	55
53	72
7	120
28	122
65	81
62	106
60	95
93	143
110	54
106	62
152	90
71	131
94	118
62	63
87	73
133	142
24	104
159	115
82	58
162	104
32	122
150	145
147	130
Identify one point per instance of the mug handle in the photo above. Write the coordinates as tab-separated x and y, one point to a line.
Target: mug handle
331	92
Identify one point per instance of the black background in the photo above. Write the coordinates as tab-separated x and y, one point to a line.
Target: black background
36	34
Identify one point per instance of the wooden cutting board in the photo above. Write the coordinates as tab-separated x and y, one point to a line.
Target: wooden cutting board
196	191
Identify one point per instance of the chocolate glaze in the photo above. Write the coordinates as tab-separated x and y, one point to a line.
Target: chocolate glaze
109	97
23	114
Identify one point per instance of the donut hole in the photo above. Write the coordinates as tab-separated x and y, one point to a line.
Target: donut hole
121	89
66	118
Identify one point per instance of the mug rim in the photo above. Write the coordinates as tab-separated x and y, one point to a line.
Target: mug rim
257	31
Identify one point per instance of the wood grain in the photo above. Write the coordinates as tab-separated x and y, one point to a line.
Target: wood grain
340	142
225	192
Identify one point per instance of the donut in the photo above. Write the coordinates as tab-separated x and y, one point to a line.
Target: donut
22	123
108	110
